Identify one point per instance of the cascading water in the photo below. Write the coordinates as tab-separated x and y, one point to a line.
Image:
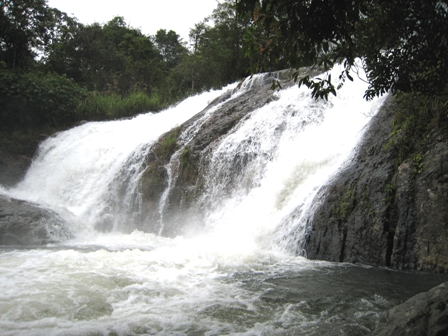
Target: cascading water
238	276
273	163
89	169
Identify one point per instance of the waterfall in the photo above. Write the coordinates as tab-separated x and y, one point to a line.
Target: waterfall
237	271
262	178
259	178
92	171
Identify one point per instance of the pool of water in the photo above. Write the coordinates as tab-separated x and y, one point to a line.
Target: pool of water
142	284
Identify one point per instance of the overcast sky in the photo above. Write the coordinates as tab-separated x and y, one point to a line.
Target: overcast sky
149	15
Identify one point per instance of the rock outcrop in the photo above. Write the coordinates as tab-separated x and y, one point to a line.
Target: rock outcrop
189	160
425	314
23	223
379	214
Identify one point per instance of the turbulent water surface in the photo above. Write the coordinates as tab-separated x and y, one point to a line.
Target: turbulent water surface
144	284
241	275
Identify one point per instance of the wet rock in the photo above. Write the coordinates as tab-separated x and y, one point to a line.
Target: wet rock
425	314
23	223
430	199
379	214
352	222
182	213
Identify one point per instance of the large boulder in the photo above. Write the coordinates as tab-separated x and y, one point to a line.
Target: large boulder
425	314
24	223
378	213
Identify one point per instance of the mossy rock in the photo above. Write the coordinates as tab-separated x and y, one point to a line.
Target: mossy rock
153	181
188	170
167	145
155	176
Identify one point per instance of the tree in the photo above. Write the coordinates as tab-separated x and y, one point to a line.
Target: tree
84	54
110	58
170	47
216	56
402	43
25	28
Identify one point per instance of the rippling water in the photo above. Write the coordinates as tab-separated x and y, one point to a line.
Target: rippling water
142	284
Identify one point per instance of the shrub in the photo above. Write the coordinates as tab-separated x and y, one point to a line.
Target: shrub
35	99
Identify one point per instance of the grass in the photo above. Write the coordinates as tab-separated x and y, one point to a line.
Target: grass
112	106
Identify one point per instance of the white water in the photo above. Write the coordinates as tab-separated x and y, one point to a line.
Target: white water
223	281
294	146
81	170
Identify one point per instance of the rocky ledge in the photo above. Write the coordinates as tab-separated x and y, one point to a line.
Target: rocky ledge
24	223
378	213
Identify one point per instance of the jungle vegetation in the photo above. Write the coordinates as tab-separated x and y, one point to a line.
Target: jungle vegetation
56	71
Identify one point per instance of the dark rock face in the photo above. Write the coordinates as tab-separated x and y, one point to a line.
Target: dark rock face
352	223
12	168
430	231
425	314
374	213
16	154
22	223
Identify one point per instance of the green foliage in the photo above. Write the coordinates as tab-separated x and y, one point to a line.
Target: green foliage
390	189
36	99
23	30
106	71
20	142
320	88
216	58
170	46
390	195
109	58
403	44
417	162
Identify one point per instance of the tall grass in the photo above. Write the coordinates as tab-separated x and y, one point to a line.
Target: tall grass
100	106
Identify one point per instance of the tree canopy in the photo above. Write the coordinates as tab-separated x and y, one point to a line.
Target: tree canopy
402	43
55	70
25	28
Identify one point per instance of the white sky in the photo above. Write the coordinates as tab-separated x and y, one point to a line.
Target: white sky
149	15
